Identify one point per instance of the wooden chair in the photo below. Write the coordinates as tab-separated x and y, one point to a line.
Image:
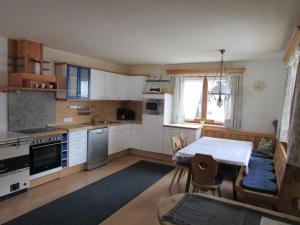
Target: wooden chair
182	164
183	141
205	174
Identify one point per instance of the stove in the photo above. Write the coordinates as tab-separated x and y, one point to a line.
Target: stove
36	130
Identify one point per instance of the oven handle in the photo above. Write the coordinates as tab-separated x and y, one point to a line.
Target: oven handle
42	146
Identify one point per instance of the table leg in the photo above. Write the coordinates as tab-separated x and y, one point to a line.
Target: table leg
188	180
235	170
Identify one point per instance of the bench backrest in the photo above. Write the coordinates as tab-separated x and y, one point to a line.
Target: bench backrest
280	160
219	132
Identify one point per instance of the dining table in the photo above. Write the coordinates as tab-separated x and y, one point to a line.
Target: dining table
235	153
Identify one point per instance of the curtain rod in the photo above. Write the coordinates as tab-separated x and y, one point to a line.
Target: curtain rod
204	70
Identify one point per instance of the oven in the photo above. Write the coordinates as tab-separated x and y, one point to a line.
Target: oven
45	155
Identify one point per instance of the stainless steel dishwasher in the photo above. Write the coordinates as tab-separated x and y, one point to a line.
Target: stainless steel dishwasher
97	153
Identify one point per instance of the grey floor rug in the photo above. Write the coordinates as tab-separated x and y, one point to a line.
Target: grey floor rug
92	204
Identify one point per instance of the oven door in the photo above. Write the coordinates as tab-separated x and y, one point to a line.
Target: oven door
45	157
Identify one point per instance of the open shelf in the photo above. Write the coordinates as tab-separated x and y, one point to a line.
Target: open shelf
8	89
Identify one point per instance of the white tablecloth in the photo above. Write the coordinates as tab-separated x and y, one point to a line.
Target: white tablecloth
223	150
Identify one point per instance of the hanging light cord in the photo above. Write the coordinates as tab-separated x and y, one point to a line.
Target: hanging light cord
220	89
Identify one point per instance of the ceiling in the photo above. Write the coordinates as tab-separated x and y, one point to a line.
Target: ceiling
147	32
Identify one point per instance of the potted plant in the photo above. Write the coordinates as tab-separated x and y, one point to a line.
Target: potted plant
202	121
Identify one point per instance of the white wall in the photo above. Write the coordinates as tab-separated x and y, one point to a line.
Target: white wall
3	81
62	56
260	108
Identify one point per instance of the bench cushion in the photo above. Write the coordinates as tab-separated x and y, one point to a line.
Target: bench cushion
261	160
264	186
259	166
262	174
261	155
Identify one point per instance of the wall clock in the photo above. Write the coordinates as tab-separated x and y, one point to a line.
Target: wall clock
259	85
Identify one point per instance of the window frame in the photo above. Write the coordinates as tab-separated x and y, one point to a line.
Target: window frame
204	107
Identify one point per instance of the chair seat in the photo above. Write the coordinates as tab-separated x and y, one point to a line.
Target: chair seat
261	155
264	186
183	161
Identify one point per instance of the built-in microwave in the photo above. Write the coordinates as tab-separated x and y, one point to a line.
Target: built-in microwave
153	106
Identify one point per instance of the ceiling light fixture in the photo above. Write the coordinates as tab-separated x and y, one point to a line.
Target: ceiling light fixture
220	92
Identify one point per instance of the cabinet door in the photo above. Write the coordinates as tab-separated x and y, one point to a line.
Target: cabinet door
97	84
110	86
73	80
169	132
84	82
124	87
136	136
152	133
112	142
136	88
191	135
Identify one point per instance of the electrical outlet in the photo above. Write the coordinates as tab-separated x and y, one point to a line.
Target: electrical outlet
68	119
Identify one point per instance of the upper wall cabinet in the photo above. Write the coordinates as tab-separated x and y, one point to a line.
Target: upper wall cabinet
75	79
97	84
136	88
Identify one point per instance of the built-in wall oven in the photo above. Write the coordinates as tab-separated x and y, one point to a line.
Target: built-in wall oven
45	155
153	106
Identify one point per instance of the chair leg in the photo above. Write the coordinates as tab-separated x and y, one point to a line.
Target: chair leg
180	174
184	170
177	169
213	192
219	192
194	189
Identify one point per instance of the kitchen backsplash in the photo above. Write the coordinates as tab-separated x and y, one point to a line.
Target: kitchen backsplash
27	110
104	110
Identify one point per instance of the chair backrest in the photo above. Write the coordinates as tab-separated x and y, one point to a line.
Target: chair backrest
204	169
176	144
183	141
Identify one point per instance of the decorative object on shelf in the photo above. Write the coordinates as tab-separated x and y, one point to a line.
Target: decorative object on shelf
259	85
220	92
202	121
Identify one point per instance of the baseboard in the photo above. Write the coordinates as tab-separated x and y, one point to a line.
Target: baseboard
71	170
118	154
152	155
44	179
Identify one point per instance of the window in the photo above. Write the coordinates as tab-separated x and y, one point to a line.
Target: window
192	98
198	104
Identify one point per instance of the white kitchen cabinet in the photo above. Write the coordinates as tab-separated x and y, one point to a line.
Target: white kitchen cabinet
152	133
111	92
123	90
136	88
169	132
118	138
136	136
97	84
191	135
77	147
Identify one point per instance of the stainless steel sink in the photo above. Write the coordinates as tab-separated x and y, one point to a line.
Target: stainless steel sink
104	122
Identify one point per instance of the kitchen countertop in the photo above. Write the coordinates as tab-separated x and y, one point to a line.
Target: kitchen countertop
194	126
8	136
81	126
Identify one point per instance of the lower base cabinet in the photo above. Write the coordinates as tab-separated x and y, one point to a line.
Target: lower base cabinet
77	147
118	138
191	135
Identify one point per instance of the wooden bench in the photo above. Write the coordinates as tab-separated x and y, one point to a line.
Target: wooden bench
263	199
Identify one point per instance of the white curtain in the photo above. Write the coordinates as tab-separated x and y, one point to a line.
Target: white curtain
289	90
233	107
177	102
294	127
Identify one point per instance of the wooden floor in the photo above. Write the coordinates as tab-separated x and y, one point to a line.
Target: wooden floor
141	210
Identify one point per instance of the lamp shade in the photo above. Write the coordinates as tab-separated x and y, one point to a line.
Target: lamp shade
225	90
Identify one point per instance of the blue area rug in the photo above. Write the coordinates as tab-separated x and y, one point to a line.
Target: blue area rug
94	203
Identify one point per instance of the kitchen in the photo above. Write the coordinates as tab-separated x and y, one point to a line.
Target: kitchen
139	111
81	118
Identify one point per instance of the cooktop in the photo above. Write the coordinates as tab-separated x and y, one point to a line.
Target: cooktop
36	130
